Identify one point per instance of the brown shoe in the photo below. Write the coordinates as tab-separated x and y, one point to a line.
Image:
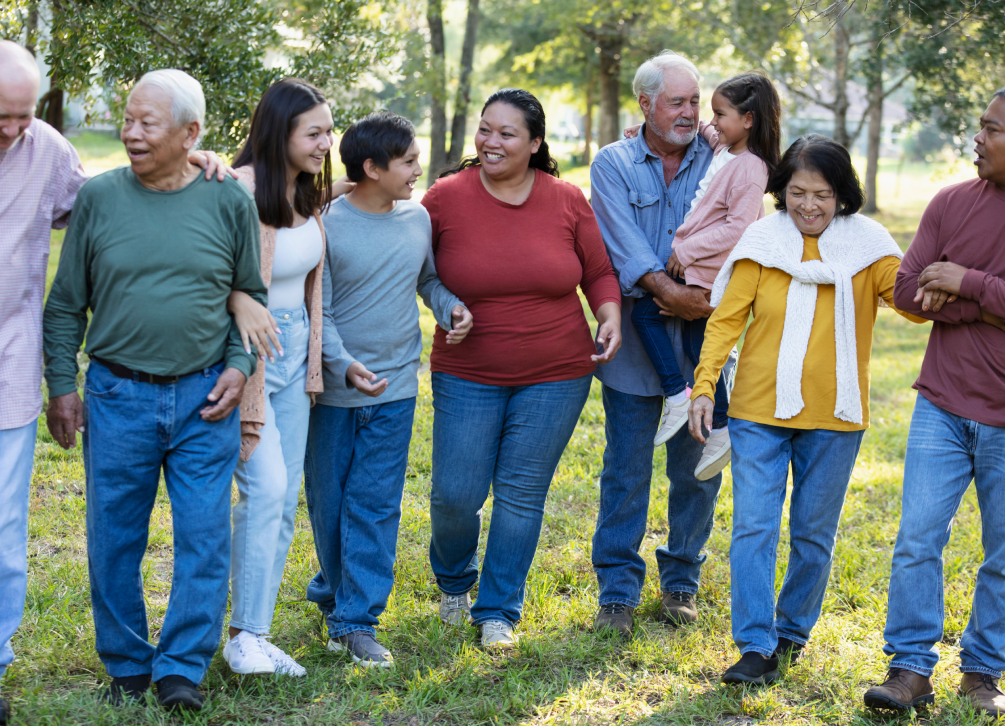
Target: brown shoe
984	692
901	691
677	608
617	617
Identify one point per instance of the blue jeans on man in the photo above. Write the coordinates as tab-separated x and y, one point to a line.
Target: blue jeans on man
945	452
354	478
133	431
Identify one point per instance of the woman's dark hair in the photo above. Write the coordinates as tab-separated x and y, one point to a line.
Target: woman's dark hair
380	137
827	158
533	118
753	93
274	121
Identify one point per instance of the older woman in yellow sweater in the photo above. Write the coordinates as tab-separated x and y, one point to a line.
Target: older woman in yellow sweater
812	276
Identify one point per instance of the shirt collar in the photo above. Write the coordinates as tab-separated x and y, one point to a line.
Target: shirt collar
641	149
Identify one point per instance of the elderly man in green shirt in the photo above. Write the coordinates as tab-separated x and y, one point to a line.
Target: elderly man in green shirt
153	251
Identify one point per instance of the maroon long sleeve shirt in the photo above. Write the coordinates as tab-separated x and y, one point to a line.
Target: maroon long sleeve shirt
964	367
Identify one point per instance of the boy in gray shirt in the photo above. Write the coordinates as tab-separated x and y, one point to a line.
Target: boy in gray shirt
379	253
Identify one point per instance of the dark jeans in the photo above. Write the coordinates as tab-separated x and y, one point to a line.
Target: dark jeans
354	477
133	431
651	327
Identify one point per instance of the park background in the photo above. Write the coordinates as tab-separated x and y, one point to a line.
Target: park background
901	84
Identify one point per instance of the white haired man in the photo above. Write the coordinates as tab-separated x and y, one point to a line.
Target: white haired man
642	189
153	252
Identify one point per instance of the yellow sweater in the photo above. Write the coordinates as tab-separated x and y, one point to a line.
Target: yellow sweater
763	292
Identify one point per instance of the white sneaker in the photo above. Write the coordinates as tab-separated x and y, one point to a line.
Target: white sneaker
673	418
245	654
497	634
282	662
715	456
455	609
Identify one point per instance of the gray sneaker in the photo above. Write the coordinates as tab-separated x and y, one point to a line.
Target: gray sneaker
363	648
497	634
455	609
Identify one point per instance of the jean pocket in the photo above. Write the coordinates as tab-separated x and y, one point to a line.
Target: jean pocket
102	383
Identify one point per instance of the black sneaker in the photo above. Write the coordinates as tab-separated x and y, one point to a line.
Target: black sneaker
127	688
179	692
4	711
363	648
753	668
788	650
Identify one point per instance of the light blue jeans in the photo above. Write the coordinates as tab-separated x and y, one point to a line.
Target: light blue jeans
17	453
945	453
822	462
268	484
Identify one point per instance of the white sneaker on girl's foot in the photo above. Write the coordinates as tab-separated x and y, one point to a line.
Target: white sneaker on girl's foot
245	654
715	456
673	418
281	661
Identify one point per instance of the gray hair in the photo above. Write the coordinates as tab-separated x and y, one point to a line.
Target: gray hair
188	103
1000	93
650	76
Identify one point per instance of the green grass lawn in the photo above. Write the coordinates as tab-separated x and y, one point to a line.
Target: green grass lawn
561	673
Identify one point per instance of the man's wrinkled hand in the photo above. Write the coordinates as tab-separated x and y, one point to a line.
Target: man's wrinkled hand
225	396
212	163
65	417
689	303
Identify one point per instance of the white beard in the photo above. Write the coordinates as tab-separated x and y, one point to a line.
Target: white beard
672	137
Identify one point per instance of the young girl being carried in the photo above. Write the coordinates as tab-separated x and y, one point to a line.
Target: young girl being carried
745	133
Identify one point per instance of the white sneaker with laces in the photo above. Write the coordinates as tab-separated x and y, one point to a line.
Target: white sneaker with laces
673	418
715	456
284	665
245	654
455	609
498	634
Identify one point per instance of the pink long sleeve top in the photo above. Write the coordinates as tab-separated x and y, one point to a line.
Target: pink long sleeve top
734	200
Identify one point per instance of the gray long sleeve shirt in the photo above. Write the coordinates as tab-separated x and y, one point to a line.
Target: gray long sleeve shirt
374	265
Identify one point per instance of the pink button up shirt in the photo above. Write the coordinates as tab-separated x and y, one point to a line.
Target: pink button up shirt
39	179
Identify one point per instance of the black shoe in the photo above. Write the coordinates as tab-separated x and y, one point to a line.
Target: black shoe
788	650
179	692
127	688
753	668
4	711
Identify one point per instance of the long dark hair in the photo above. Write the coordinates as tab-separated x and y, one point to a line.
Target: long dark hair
753	93
813	152
275	120
533	118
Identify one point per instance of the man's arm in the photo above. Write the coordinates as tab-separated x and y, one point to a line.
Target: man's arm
247	279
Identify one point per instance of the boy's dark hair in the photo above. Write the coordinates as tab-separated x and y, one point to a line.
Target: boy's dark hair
754	93
380	137
533	117
813	152
275	119
1000	93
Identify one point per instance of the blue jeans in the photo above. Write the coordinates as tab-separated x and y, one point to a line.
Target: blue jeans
822	462
510	438
652	330
133	431
624	503
354	477
17	454
944	453
268	483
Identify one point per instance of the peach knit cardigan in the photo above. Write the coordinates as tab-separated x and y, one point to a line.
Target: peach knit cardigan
253	402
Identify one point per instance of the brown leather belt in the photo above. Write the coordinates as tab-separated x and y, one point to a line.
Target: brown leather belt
122	372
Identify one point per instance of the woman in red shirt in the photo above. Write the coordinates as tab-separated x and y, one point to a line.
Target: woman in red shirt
514	242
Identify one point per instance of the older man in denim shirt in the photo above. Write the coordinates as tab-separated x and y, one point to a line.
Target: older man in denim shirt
642	188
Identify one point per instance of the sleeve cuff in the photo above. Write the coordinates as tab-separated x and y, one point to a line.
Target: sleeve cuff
634	269
245	363
60	387
972	285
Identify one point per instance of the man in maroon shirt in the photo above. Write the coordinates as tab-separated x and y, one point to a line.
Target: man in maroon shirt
954	274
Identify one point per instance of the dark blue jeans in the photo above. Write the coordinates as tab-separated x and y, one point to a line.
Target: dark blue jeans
651	327
133	431
510	438
354	477
624	503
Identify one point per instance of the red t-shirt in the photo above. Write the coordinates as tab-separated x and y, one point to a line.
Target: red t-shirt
517	267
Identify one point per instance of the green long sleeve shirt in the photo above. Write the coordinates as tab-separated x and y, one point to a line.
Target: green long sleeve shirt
155	269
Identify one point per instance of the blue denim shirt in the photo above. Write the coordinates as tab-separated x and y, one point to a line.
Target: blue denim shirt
639	216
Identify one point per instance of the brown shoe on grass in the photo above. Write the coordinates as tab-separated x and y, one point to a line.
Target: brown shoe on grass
677	608
901	691
616	617
984	692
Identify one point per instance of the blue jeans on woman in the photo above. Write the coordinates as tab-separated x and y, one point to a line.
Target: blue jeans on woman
822	462
510	438
945	452
268	484
651	327
133	430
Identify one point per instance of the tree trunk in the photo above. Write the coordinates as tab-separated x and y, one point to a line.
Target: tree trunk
438	82
875	130
610	88
588	120
457	128
841	48
31	27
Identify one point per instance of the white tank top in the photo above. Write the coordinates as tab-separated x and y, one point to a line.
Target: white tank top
298	250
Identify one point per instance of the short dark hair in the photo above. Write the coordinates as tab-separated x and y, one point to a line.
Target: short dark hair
813	152
1000	93
380	137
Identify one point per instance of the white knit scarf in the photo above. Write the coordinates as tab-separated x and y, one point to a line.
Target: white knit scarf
848	246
